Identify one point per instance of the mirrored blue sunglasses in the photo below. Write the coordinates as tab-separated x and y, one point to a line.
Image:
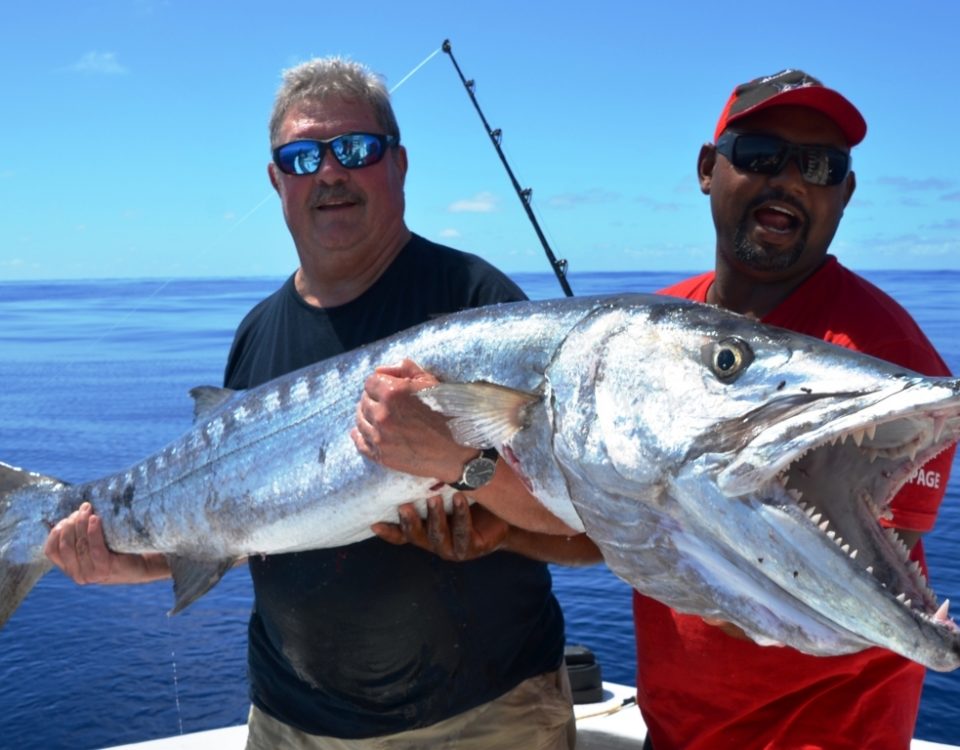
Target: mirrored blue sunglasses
352	150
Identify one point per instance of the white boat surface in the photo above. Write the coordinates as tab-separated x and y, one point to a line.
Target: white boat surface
611	724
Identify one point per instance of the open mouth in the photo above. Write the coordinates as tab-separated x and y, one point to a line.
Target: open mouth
840	471
777	219
845	487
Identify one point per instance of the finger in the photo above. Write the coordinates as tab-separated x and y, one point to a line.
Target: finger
389	532
85	567
371	386
412	526
358	442
51	547
438	530
365	446
99	553
67	547
406	368
462	527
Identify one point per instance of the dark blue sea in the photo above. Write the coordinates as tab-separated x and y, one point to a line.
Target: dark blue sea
94	375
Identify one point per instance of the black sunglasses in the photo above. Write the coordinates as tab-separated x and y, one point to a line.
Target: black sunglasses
767	154
352	150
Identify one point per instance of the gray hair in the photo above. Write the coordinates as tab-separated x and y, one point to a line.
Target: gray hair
332	77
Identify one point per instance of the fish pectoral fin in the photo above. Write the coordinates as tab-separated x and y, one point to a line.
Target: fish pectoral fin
207	398
481	415
194	578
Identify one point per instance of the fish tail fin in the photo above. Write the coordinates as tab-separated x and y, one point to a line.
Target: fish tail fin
28	504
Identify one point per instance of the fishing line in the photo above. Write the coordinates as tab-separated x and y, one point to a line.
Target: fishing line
427	59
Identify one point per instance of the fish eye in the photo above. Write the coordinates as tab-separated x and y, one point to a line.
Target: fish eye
727	358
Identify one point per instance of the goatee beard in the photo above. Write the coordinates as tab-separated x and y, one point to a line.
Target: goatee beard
758	257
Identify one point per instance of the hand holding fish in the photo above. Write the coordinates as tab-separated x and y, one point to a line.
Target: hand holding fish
396	429
76	546
472	531
468	533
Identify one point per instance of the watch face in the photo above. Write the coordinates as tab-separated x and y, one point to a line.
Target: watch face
479	471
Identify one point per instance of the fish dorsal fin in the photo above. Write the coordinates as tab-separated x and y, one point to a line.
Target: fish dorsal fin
207	398
193	578
482	415
12	478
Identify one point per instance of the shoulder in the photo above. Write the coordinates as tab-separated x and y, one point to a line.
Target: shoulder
257	327
477	279
267	307
859	315
694	288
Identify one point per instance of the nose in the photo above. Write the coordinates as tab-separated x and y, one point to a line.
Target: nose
331	171
791	176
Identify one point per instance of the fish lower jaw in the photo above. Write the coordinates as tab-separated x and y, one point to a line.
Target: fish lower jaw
921	603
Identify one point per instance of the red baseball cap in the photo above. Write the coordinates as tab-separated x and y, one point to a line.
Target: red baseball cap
799	89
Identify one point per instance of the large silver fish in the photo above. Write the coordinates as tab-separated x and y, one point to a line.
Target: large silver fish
726	468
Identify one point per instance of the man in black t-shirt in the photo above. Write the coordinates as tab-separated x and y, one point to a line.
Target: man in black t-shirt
372	644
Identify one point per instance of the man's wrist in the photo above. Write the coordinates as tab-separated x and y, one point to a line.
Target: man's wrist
477	471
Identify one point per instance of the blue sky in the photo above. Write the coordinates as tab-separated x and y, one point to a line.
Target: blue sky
133	141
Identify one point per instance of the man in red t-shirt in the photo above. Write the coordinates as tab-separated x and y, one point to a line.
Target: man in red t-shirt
778	176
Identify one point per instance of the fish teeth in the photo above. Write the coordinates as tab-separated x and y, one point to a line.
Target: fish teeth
858	438
853	555
938	424
943	613
871	430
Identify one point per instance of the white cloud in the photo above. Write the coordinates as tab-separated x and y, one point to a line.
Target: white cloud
99	63
481	203
449	234
594	196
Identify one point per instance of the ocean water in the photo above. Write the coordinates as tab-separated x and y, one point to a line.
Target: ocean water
94	376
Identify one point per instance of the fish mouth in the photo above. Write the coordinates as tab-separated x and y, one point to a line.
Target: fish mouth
834	462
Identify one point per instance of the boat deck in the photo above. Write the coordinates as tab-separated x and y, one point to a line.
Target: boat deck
613	724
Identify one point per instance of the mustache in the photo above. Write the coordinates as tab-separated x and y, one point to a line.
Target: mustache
781	196
335	194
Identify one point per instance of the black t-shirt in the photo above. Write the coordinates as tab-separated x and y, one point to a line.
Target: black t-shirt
372	638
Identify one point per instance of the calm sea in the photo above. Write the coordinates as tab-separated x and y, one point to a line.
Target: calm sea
94	376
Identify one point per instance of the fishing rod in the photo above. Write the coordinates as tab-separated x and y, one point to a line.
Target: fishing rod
559	266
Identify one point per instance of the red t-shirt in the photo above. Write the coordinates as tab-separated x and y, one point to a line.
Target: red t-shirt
700	689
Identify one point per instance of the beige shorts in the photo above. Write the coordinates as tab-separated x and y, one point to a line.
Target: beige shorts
536	715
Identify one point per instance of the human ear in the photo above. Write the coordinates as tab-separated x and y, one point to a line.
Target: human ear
706	161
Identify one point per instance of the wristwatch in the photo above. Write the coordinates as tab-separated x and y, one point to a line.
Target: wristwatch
478	471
